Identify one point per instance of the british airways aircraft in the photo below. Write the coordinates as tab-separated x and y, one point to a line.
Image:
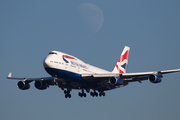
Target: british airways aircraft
69	72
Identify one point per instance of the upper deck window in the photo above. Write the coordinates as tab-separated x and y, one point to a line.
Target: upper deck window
53	53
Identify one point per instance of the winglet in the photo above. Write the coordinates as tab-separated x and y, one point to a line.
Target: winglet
9	75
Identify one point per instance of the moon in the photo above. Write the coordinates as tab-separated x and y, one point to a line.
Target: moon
91	16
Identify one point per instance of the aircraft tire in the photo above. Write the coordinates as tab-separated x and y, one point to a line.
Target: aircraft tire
94	94
79	94
84	95
103	93
66	96
65	91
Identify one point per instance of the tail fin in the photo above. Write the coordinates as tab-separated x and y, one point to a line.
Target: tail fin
121	64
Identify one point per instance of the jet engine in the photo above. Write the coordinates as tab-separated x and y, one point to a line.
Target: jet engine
23	85
115	81
155	78
40	85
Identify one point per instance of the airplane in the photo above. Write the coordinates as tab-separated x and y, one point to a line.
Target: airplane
69	72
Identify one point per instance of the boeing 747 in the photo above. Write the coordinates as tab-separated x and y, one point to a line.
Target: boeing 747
69	72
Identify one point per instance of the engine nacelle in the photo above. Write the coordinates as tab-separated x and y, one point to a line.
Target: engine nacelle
155	78
40	85
115	81
23	85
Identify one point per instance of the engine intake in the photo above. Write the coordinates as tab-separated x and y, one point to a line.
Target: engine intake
115	81
23	85
40	85
155	78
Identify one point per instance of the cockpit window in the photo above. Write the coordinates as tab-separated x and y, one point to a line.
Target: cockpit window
53	53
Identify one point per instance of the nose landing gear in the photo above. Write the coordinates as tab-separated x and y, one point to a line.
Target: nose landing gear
67	93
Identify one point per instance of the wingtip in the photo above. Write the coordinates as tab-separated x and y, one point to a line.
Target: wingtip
9	75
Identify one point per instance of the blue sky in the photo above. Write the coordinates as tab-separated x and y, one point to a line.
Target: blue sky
29	30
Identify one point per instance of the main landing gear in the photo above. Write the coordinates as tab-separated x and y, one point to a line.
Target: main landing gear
82	94
67	93
101	93
94	93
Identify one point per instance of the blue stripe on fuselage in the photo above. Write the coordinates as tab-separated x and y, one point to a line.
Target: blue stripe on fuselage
64	74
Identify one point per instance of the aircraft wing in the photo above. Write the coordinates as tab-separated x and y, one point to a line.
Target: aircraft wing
29	79
130	77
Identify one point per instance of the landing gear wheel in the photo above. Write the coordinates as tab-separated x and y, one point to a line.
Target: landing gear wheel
69	95
94	94
66	96
68	92
79	94
65	92
103	93
82	94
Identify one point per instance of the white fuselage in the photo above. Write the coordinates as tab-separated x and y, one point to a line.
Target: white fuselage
64	62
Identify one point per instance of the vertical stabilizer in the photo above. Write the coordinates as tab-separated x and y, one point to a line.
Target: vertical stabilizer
122	62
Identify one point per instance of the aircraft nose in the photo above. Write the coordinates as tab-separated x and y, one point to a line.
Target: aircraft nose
46	63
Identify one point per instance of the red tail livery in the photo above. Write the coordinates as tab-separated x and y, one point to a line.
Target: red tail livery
121	64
